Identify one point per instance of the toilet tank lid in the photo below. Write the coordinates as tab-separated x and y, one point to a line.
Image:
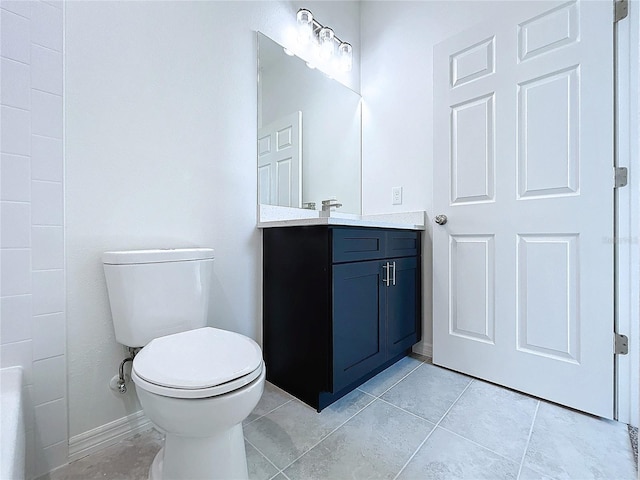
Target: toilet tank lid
130	257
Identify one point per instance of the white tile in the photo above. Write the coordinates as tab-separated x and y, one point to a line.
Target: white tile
376	443
46	26
48	335
51	457
18	354
428	391
48	291
16	178
47	248
15	272
494	417
46	158
46	114
21	7
16	318
49	380
15	135
446	455
46	70
51	423
15	78
569	444
293	429
16	225
46	203
14	36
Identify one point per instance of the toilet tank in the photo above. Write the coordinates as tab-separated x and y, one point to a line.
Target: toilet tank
153	293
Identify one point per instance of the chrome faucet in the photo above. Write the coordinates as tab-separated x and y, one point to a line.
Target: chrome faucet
327	204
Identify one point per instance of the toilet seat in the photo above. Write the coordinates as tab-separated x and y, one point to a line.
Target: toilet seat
199	363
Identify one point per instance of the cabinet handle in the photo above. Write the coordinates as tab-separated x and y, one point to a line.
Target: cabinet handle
394	274
386	280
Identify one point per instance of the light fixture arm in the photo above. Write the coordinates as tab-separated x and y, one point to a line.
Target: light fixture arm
317	26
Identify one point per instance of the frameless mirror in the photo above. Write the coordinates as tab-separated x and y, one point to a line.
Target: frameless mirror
309	134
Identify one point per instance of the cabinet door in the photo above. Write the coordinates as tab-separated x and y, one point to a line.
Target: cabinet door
359	305
403	306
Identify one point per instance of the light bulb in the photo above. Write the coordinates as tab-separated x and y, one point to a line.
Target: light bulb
345	53
327	43
305	26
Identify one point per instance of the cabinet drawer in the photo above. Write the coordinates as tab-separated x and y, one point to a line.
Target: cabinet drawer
351	244
402	243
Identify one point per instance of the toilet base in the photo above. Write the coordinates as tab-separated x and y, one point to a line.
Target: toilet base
191	458
155	471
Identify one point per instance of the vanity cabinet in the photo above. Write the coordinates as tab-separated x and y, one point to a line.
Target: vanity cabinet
340	305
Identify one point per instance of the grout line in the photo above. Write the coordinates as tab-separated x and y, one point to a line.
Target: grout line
14	13
405	376
270	411
47	92
332	431
431	432
510	460
265	457
57	182
5	105
524	454
46	47
407	411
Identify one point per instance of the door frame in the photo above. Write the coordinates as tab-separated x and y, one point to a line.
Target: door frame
627	215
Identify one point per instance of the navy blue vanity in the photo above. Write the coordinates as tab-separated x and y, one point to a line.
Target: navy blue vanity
340	305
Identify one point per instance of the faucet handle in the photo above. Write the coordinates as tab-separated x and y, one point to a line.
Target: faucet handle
331	202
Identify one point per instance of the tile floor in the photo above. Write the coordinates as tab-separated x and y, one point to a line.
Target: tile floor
412	421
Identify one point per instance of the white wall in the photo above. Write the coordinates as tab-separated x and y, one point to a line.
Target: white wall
161	152
32	322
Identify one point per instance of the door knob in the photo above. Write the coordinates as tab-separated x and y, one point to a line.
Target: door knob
441	219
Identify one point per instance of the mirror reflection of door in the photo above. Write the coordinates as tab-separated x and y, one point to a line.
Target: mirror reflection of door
330	159
279	162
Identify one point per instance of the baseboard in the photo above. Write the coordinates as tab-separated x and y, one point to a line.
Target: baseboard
424	349
108	434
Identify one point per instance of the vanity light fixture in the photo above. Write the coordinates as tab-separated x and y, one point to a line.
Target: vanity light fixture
305	26
312	33
345	54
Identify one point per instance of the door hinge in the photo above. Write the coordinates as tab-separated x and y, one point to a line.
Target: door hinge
621	344
621	177
620	10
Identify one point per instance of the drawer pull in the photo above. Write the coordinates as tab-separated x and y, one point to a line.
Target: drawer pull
386	278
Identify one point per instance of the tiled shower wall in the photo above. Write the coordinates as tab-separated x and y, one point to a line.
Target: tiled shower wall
32	288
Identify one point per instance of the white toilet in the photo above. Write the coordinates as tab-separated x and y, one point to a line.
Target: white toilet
195	383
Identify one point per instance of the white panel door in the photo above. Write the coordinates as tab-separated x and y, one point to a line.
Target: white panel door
523	162
280	162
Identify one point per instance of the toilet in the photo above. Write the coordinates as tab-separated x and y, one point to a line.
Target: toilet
195	383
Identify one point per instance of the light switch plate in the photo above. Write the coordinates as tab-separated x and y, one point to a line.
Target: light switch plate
396	196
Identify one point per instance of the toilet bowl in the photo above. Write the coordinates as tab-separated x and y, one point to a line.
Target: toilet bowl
195	383
197	387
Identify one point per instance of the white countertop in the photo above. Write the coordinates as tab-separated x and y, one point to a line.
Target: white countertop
272	216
